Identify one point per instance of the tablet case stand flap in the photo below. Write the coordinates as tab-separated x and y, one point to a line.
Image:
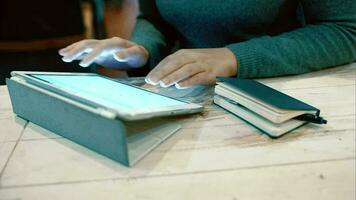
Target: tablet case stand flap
267	94
110	137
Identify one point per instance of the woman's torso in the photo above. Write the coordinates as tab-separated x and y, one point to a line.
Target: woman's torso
216	23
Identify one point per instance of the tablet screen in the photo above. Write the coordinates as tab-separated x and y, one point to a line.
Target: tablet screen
108	92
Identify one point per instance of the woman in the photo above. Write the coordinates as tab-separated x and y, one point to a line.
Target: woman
254	38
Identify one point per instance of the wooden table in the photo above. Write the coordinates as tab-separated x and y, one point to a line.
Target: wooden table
214	156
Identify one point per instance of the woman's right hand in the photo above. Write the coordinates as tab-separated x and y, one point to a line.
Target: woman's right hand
113	53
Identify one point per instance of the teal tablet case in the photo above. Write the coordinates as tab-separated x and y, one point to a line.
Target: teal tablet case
124	142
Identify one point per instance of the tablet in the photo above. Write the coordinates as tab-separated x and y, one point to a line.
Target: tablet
121	100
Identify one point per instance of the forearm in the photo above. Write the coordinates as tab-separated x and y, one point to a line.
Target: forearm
152	33
327	40
151	39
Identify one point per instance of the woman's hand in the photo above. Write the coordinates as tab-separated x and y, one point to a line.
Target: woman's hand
114	53
188	67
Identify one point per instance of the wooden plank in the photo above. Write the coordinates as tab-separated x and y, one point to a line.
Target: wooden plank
10	126
308	181
336	76
332	101
56	160
6	149
35	132
5	104
11	129
244	135
51	161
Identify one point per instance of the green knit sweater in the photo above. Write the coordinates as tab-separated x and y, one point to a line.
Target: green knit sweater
268	37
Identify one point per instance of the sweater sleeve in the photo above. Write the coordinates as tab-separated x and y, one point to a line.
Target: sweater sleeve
152	33
327	39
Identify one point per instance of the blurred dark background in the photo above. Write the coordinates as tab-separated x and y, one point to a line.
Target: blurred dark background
32	32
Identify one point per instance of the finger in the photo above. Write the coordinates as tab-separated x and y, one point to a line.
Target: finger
104	47
65	50
165	67
182	73
90	57
134	56
77	51
202	78
128	54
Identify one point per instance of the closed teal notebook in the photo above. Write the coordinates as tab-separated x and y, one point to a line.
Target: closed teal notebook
252	89
267	94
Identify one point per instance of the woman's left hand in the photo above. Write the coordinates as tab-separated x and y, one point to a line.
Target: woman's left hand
188	67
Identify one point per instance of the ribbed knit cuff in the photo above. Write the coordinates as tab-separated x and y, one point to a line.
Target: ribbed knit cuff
248	59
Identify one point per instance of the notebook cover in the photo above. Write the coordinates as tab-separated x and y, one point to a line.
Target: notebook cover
267	94
271	135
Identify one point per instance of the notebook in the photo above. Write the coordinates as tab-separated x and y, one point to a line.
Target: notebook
267	109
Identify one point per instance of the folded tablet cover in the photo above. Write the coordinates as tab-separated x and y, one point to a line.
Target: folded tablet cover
108	137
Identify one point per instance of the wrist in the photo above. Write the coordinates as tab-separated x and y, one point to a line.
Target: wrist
232	63
145	53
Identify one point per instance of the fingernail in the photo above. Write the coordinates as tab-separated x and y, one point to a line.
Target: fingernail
66	59
153	81
119	58
162	84
83	64
168	83
148	80
179	87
